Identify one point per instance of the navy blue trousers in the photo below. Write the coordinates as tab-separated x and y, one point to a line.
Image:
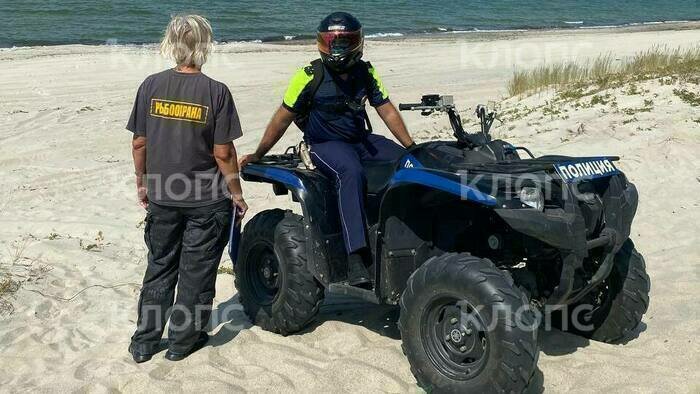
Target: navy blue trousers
342	162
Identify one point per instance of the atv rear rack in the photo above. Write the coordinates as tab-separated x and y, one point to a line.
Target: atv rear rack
288	159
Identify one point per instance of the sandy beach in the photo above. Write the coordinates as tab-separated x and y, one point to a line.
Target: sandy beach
71	229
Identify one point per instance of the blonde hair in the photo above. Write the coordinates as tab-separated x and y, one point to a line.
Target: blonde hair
187	40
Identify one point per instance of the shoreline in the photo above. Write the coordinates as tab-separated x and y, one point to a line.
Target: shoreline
496	34
475	35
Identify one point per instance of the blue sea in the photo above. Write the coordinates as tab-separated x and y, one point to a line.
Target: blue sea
49	22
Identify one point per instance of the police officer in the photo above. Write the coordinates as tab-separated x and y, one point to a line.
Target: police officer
187	178
327	101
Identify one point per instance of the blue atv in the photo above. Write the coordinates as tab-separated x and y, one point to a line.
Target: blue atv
473	242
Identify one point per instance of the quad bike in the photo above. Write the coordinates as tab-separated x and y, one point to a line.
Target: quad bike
472	241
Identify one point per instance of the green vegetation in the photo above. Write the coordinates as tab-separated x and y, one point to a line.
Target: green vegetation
96	246
602	100
605	72
225	270
515	113
648	106
550	109
632	90
53	236
688	96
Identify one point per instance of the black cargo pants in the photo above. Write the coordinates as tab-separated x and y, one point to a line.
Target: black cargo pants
184	250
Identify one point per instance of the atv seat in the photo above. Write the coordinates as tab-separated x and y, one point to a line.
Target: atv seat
378	174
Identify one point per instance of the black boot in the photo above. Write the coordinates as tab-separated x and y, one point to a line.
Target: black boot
173	356
357	269
139	357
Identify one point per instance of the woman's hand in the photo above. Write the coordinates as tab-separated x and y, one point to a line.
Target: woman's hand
240	206
142	196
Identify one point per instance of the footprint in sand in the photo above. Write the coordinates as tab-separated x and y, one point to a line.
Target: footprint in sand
161	372
46	310
94	369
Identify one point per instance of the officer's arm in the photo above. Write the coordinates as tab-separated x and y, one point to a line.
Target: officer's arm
275	130
394	122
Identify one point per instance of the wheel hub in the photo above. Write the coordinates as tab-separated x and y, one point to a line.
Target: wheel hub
264	273
455	338
267	272
462	337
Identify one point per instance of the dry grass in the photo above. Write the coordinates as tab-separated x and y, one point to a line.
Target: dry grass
7	288
606	72
15	269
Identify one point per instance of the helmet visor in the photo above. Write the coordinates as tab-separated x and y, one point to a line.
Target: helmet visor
339	42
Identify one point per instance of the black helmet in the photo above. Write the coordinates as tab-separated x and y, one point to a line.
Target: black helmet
340	41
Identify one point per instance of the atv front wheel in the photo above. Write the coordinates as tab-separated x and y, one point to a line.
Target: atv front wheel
612	311
277	291
466	328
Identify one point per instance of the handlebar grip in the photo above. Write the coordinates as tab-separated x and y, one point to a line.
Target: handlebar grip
407	107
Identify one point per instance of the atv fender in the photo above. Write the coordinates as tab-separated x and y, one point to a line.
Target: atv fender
310	189
405	235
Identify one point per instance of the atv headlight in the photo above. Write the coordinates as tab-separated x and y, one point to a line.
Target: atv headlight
532	197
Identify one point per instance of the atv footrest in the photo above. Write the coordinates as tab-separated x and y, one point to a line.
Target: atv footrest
352	291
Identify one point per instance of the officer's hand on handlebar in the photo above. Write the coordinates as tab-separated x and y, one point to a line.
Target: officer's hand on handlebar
412	147
246	159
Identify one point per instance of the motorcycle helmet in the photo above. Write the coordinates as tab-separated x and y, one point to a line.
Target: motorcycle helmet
340	41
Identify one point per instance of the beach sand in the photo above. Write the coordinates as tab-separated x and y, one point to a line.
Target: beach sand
70	226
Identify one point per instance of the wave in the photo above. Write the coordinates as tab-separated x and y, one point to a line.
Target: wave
632	24
500	30
382	35
283	37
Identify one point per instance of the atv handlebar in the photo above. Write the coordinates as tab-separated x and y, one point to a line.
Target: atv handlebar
431	103
409	107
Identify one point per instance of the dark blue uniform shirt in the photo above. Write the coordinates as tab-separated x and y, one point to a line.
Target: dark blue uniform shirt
330	119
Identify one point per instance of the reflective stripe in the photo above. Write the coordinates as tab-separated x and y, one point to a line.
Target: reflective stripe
340	201
296	86
380	85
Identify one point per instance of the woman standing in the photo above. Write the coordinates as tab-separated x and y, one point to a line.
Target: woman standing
187	179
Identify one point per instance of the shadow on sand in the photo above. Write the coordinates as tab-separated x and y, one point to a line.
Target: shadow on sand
229	314
382	319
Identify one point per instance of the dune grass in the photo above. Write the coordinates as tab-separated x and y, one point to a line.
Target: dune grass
605	71
7	288
15	268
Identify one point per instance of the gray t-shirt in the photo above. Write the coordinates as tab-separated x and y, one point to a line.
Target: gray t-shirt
182	116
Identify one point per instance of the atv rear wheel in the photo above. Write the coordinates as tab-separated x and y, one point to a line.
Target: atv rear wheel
466	328
277	291
611	312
